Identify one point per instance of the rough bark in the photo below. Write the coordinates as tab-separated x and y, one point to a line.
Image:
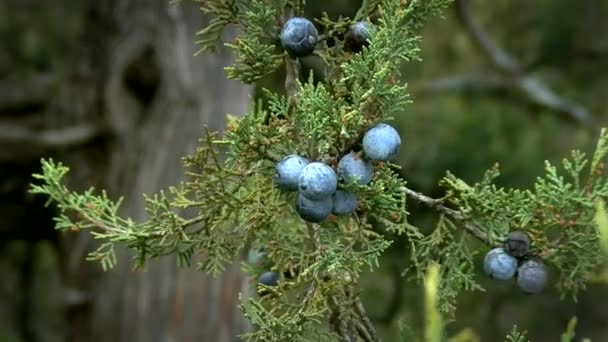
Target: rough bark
136	82
147	86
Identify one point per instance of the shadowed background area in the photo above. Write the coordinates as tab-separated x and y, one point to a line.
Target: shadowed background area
112	89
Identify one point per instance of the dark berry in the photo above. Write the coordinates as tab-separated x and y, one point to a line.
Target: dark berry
269	279
517	244
345	203
357	36
313	210
299	37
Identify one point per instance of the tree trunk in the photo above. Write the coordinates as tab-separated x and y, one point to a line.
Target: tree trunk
136	81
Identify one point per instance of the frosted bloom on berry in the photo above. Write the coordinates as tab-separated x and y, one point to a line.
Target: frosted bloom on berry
353	168
381	143
287	172
532	276
317	181
299	36
499	265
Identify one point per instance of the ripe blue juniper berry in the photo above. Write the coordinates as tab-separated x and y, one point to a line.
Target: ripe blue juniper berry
345	203
317	181
313	211
353	168
381	143
532	276
287	172
499	265
357	36
269	278
299	37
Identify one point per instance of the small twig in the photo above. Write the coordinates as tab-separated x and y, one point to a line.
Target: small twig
369	326
363	332
263	153
335	320
437	204
499	57
50	138
313	233
292	74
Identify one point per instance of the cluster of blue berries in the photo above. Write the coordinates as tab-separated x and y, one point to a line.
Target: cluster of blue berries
317	183
299	36
512	260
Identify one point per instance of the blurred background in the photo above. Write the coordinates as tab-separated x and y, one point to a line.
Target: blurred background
112	89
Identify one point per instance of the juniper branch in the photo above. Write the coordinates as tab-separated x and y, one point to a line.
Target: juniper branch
338	324
367	324
363	332
457	215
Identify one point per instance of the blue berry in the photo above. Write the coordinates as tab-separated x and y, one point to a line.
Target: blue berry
269	279
381	143
499	265
532	276
518	243
317	181
353	168
357	36
345	203
313	210
299	36
287	172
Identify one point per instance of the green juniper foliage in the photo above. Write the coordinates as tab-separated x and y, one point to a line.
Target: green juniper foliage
516	336
229	185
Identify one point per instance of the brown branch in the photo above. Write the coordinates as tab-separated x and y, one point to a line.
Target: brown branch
366	323
460	83
338	324
499	57
361	326
50	138
26	94
21	142
515	77
456	215
292	74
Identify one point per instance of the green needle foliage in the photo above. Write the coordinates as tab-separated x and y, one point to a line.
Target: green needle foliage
516	336
229	186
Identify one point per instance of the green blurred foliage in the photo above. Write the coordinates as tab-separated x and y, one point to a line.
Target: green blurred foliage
37	37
